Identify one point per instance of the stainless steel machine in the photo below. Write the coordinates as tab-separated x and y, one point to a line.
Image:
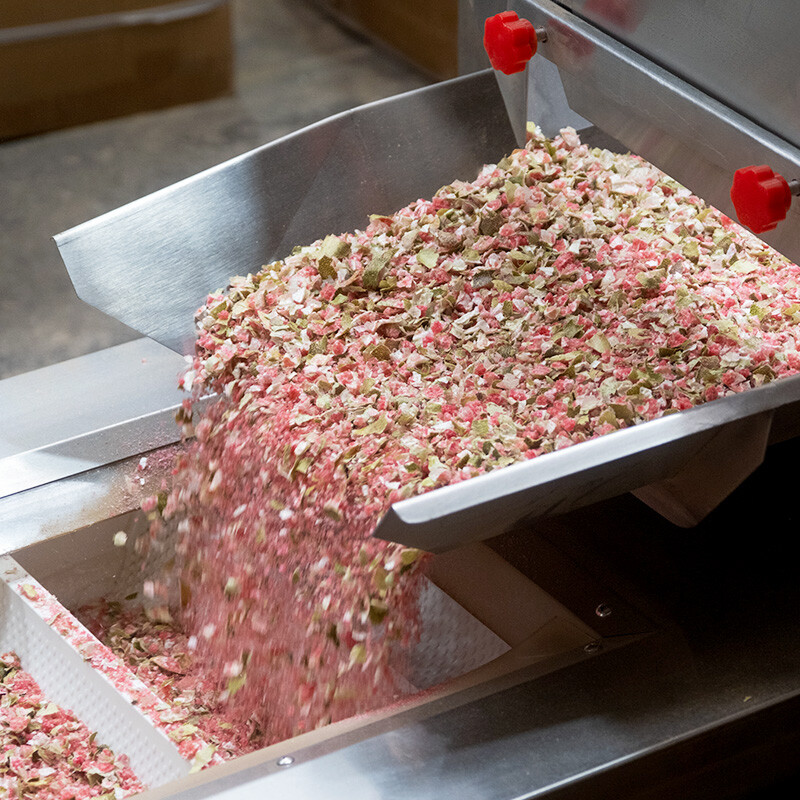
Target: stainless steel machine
651	643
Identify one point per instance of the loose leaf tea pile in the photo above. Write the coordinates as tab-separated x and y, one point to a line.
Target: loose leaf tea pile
565	293
159	654
46	752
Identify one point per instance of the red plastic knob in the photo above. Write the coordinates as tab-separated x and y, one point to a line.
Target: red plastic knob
510	42
761	198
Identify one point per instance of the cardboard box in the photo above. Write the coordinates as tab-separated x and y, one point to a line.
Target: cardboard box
69	64
426	33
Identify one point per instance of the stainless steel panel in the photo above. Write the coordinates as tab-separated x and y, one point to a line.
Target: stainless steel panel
82	499
555	733
694	138
471	16
150	264
514	89
742	52
80	414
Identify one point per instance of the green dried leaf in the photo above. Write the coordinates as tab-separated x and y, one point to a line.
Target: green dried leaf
608	417
765	370
379	578
724	241
378	425
371	277
333	634
318	347
334	247
691	250
651	280
622	412
379	351
428	258
599	343
203	758
480	427
490	223
743	267
358	654
617	300
325	268
29	590
302	465
239	308
48	710
162	500
236	683
409	556
184	732
378	609
571	330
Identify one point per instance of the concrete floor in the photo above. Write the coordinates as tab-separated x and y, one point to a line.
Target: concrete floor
294	66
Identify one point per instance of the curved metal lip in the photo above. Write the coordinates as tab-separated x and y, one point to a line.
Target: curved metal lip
447	517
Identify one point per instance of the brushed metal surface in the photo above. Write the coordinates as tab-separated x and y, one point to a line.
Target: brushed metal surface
85	412
151	263
85	498
696	139
471	17
514	89
742	52
555	735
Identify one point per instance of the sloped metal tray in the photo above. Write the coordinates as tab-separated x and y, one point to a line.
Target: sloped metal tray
230	220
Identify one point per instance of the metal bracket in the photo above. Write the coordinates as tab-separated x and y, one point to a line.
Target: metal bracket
707	478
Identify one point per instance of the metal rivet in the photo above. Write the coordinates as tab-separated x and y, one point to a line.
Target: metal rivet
285	761
603	610
593	647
